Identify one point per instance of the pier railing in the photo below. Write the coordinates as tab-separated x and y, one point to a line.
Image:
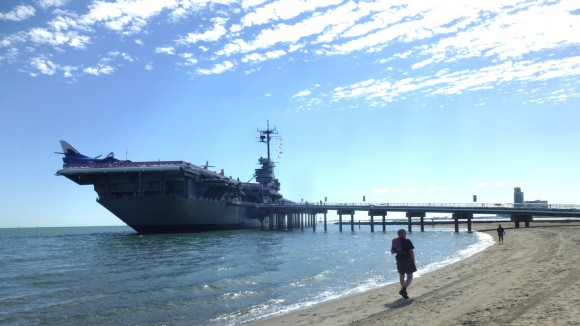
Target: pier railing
390	206
420	209
288	214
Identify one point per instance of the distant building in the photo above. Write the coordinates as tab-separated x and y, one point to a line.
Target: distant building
518	196
519	199
536	203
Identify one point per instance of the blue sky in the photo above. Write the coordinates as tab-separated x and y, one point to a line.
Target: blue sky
397	101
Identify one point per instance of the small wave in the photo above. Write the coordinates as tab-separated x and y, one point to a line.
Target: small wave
484	240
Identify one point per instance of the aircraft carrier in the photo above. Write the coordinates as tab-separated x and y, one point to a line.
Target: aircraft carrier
175	196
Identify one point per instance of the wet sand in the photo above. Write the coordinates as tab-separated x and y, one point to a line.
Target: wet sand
531	279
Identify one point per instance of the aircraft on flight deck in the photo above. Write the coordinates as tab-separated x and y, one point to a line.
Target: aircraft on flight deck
72	156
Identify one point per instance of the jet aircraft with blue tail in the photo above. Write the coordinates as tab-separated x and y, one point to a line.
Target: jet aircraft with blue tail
72	156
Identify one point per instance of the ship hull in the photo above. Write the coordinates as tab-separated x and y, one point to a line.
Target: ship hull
161	215
173	196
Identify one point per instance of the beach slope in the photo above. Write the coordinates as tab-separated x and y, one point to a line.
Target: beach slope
531	279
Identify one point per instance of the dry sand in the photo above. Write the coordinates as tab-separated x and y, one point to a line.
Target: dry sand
531	279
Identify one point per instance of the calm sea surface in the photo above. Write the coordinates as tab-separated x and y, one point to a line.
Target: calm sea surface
113	276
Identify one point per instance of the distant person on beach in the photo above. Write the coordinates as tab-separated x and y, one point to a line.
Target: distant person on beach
405	257
500	233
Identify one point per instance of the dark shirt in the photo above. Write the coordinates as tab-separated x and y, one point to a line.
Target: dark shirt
406	246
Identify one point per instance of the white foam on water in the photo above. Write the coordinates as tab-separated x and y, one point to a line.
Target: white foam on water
484	241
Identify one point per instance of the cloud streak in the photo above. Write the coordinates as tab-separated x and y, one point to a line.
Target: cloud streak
19	13
433	47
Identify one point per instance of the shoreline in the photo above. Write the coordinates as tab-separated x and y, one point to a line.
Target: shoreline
533	278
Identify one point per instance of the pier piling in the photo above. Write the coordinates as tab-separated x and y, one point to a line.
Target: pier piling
410	215
377	212
346	211
463	216
279	217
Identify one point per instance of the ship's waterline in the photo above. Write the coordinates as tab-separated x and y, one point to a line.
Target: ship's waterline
176	214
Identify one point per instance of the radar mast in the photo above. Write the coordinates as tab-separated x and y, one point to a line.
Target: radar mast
265	136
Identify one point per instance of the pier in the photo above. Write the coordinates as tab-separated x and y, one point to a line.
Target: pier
292	216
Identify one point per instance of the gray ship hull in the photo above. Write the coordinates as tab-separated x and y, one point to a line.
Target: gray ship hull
155	215
175	196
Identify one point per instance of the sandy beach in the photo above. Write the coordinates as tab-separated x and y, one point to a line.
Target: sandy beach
531	279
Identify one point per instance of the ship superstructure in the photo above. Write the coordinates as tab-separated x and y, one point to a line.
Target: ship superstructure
174	196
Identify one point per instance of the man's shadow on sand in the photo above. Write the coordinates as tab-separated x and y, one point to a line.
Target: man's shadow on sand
400	303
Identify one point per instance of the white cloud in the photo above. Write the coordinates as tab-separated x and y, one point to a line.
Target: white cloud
70	38
45	4
457	82
13	40
19	13
283	10
246	4
189	59
63	23
217	69
43	66
435	47
257	57
123	55
557	97
253	57
69	71
100	69
10	54
289	33
127	17
513	33
215	33
449	83
422	64
184	8
275	54
165	50
303	93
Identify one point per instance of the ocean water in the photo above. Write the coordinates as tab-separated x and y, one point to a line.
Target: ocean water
114	276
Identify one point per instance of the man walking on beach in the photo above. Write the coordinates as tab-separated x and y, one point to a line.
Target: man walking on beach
500	233
405	257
